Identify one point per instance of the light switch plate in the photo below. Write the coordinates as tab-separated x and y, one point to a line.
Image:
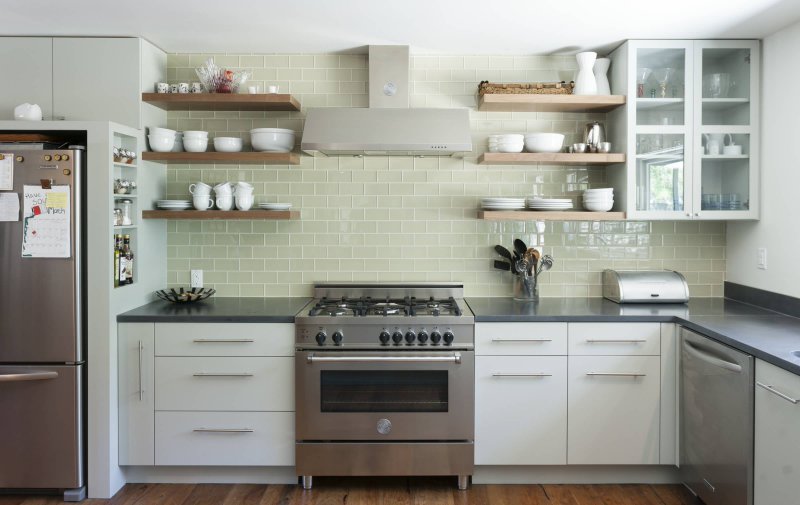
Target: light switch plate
762	258
196	278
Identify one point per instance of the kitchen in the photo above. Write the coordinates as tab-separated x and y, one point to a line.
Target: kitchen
414	221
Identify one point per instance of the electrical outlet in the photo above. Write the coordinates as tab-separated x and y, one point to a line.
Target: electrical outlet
762	258
196	278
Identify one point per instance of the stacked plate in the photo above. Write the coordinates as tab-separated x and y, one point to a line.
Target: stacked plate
174	204
506	143
598	200
539	203
275	206
503	203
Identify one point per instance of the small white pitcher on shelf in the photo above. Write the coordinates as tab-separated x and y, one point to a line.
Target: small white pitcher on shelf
585	83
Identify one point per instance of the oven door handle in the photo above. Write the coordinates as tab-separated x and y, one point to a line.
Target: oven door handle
452	358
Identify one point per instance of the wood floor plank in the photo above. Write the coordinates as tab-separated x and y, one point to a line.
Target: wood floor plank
642	494
518	494
281	494
208	494
165	494
676	494
559	494
432	492
245	494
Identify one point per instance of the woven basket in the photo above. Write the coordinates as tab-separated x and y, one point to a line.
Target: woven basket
533	88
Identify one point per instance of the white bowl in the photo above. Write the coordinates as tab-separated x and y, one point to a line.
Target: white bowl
509	148
598	207
195	145
154	130
227	144
161	143
507	137
278	140
544	142
599	191
193	134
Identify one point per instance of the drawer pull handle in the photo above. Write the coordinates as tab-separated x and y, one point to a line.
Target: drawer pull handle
141	388
774	391
522	340
223	340
223	430
502	374
212	374
615	341
617	374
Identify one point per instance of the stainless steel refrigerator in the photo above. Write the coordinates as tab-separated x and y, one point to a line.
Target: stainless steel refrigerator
42	325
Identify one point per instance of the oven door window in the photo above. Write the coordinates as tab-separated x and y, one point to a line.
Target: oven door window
383	391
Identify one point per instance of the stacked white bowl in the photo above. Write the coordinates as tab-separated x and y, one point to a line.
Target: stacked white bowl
195	141
599	199
274	140
161	140
227	144
544	142
506	143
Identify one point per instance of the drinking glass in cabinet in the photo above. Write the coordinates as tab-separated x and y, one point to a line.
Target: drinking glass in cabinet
725	176
660	86
660	172
725	86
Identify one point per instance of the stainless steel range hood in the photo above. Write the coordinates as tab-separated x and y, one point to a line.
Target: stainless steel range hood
388	127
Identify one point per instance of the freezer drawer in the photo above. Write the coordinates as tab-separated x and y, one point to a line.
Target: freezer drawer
41	426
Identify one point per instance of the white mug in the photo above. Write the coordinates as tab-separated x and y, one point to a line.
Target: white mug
173	88
712	147
162	87
225	202
197	87
183	87
272	88
203	202
253	90
244	202
200	189
732	150
223	189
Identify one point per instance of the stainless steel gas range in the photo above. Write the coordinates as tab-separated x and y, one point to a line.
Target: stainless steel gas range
385	382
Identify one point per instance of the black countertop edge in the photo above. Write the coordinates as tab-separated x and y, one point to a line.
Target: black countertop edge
769	300
218	310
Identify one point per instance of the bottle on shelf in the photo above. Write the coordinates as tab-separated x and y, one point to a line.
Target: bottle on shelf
117	250
128	252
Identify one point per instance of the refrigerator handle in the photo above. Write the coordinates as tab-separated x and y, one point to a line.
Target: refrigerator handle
141	391
28	376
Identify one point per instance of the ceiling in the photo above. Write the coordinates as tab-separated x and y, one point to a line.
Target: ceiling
428	26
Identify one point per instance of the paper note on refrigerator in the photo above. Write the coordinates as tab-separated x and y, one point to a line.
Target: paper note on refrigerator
6	171
9	206
46	222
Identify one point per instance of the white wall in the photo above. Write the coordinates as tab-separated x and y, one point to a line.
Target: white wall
779	228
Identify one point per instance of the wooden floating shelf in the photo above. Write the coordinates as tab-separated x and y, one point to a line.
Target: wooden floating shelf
277	215
242	158
498	102
534	215
551	158
222	101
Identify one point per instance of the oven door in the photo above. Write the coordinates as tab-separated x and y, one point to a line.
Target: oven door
401	395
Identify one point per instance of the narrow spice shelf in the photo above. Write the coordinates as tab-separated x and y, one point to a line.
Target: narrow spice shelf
551	158
277	215
222	101
241	158
534	215
498	102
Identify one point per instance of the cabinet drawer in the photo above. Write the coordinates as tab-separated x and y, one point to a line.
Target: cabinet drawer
615	339
224	339
225	438
520	339
521	410
255	384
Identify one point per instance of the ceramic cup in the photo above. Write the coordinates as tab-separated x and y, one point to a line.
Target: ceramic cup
200	189
197	87
183	87
734	150
225	202
202	202
173	88
272	88
253	90
223	189
162	87
244	201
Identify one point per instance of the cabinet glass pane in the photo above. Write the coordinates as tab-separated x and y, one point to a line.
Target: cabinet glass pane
726	86
659	172
725	176
660	86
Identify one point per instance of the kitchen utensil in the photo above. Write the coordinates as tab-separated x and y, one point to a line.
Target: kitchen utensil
716	141
199	189
502	265
202	202
520	247
162	87
663	77
272	139
642	74
580	147
594	133
197	87
502	251
225	202
183	87
585	83
244	201
544	142
545	265
525	288
223	189
173	88
716	85
604	147
601	75
184	296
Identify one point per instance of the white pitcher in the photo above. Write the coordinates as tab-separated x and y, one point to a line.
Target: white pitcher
716	141
585	83
601	76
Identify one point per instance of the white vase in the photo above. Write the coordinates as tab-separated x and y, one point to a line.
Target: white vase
585	83
601	76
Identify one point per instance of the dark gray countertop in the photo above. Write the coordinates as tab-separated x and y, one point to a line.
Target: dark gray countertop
765	334
218	310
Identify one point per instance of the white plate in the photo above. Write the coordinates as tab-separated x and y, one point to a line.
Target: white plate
275	206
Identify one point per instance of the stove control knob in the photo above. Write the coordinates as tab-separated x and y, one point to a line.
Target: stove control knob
411	337
337	338
448	337
397	337
436	337
384	337
321	338
422	337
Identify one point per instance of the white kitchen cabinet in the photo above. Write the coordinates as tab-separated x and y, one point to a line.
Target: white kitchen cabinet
520	339
672	112
613	410
215	339
27	64
669	443
521	414
614	339
136	394
777	436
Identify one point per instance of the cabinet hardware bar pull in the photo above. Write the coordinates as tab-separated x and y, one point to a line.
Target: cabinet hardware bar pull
223	340
501	374
615	341
453	358
522	340
224	430
141	391
617	374
28	376
211	374
774	391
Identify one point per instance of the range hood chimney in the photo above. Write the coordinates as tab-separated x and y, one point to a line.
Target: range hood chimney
388	127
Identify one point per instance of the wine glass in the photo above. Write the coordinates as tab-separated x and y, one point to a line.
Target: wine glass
642	74
663	76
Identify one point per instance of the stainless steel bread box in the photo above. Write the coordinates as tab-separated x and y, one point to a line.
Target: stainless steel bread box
654	286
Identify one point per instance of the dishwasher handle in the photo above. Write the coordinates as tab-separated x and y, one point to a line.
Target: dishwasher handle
710	359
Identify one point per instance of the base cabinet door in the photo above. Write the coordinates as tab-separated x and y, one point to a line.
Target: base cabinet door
613	413
777	436
136	393
522	410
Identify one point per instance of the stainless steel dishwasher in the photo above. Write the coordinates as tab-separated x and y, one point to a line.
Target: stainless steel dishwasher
716	427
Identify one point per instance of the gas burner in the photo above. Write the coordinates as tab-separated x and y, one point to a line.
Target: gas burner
335	311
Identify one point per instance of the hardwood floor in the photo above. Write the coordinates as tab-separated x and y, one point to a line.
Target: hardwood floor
383	491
